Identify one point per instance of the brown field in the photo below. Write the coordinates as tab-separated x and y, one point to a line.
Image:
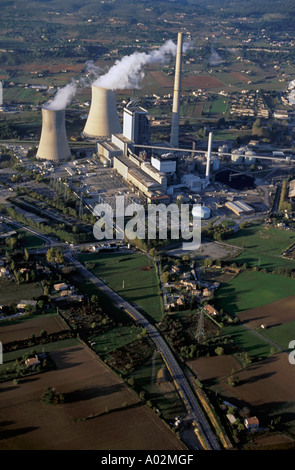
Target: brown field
266	384
161	78
90	389
202	81
39	66
275	313
240	76
213	368
25	329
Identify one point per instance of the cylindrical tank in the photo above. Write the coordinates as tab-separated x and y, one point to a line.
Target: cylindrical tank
53	143
250	157
237	156
203	211
215	164
103	119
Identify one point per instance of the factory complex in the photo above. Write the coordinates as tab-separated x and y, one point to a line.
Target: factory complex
154	172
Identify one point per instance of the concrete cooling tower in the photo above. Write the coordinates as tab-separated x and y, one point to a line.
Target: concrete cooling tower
103	119
53	143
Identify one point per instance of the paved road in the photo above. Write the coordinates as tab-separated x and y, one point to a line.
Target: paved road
184	389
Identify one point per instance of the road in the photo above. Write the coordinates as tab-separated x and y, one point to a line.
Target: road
182	385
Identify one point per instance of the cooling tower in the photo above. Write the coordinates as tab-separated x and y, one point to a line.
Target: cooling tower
53	143
176	94
103	119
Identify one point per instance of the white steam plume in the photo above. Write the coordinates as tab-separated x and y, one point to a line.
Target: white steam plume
124	74
62	97
128	72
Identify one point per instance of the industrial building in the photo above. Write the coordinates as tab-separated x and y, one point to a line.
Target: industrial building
136	125
240	208
143	176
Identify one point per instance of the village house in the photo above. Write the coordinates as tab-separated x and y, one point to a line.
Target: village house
211	310
251	423
60	286
4	272
175	269
26	303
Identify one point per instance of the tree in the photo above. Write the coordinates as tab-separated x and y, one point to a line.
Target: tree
51	397
26	255
54	255
219	351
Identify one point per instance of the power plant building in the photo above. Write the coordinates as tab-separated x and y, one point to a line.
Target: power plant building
53	144
141	175
136	125
240	208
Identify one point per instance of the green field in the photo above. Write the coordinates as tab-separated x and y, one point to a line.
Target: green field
115	338
252	289
252	344
263	247
281	334
132	276
11	292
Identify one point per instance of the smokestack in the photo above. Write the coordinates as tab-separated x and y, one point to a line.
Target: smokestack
103	120
209	158
176	94
53	143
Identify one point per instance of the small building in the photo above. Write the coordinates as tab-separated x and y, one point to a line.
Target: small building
251	423
32	361
211	310
26	303
61	286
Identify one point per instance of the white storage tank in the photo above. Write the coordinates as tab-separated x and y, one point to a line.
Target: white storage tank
204	211
250	157
237	156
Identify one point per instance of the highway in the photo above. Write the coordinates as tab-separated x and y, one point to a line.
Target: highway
185	391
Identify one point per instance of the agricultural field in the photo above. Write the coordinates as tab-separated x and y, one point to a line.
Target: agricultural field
99	411
133	276
263	245
251	289
28	325
11	292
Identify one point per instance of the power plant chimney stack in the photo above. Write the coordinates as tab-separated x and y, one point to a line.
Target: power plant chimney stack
176	93
208	158
53	143
103	119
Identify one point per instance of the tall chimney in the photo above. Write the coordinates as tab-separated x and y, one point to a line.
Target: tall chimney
176	93
208	158
103	119
53	143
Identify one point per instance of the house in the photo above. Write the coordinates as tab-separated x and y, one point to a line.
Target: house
175	269
60	286
4	272
211	310
232	419
180	301
26	303
32	361
251	423
206	292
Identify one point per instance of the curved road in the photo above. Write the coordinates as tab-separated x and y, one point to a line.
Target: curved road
184	389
